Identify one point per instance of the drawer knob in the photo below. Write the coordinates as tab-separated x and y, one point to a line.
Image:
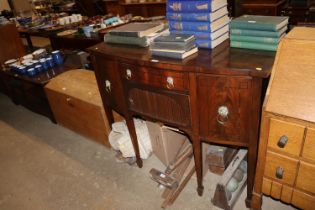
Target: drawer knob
279	172
223	114
108	86
282	141
128	74
169	82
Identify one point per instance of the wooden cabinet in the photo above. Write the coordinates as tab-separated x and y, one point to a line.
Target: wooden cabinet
212	100
286	160
270	8
224	94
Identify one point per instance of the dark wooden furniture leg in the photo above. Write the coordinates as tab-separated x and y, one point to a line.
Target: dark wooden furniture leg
133	136
198	162
251	160
109	115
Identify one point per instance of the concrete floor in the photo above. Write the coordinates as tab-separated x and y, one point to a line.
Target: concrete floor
45	166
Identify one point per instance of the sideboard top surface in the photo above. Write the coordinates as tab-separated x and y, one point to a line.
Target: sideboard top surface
291	90
221	60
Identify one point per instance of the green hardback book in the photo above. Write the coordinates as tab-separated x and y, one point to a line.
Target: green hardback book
257	22
246	32
257	39
254	46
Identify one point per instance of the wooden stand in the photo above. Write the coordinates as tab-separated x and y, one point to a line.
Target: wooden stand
223	197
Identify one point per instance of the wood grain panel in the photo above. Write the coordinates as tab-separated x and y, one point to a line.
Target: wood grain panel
276	190
232	92
306	177
309	144
165	106
289	165
294	132
266	187
303	200
286	194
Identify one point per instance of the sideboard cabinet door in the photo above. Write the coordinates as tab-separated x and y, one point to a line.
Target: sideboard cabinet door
225	107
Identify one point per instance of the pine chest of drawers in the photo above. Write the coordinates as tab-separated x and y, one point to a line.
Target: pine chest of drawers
286	158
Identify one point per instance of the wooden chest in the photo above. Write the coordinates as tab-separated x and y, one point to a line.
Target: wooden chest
286	164
77	105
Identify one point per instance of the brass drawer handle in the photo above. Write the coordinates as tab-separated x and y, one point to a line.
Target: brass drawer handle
223	115
128	74
282	141
107	86
279	172
169	82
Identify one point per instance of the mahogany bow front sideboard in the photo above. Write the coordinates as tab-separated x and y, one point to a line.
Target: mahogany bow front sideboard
213	96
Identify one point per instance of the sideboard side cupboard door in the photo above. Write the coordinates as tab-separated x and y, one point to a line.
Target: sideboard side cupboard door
213	96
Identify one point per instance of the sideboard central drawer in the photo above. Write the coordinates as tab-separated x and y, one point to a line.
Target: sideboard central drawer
155	77
166	106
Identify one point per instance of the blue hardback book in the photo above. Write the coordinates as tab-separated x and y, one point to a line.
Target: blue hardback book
207	17
210	44
205	35
194	6
199	26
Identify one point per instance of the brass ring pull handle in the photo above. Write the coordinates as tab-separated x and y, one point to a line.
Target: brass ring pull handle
108	86
279	172
169	82
282	141
223	115
128	74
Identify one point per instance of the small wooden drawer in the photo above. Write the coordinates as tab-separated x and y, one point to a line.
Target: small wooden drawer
306	177
309	144
285	136
155	77
303	200
280	168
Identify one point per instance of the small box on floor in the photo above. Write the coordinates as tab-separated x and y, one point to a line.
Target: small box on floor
219	158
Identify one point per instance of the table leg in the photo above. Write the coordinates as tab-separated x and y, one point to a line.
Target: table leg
251	160
256	201
133	136
109	115
198	162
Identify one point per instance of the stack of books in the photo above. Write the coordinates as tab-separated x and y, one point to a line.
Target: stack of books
178	46
208	20
139	34
258	32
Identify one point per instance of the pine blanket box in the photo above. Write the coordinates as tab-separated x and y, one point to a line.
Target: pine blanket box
76	104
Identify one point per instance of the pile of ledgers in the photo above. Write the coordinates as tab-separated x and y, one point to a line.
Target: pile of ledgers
208	20
258	32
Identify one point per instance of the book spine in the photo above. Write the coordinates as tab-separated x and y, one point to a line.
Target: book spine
189	6
167	54
198	35
190	26
252	26
257	39
202	17
254	46
204	43
142	42
254	33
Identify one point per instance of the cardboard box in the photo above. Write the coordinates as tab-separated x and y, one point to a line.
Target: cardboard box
165	142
